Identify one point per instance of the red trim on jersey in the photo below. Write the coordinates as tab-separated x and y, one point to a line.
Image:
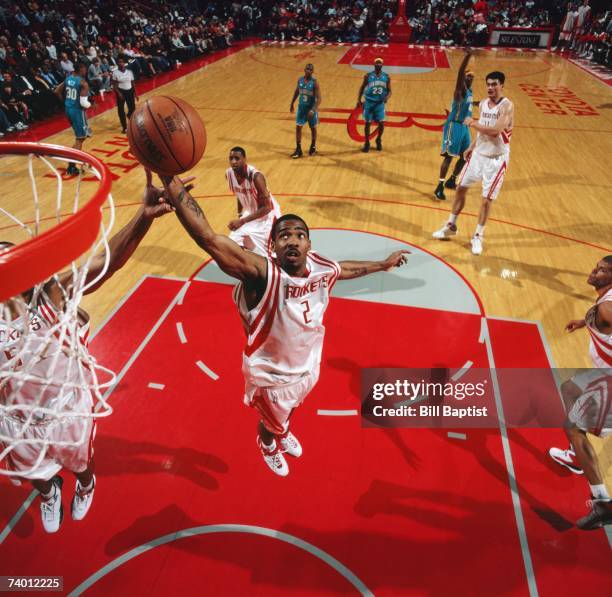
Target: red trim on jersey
606	357
604	397
267	326
498	177
336	270
265	300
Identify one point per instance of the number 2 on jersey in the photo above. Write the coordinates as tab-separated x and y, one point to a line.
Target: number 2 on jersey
306	311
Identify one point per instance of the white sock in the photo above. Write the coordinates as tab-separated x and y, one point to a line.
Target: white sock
440	180
479	230
452	219
599	492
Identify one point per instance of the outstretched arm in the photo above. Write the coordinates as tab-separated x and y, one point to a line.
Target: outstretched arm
123	244
357	269
230	257
460	84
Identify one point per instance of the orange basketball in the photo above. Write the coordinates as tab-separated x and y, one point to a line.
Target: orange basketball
166	135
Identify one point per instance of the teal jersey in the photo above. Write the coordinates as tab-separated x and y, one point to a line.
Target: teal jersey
377	87
72	92
306	90
461	110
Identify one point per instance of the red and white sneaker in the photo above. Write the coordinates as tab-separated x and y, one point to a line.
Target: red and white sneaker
290	444
566	458
274	458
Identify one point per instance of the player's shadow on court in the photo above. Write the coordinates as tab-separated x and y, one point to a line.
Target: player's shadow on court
478	443
505	269
119	456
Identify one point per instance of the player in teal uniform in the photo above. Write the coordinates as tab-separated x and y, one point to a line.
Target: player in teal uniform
74	91
456	135
377	88
309	93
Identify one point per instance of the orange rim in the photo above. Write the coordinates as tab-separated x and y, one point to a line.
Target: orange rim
38	258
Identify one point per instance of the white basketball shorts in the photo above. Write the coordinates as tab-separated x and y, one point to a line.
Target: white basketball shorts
258	232
489	171
592	411
275	403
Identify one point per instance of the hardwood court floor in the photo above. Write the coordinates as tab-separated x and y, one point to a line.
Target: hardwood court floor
549	226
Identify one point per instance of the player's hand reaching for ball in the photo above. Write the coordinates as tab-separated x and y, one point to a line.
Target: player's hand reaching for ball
396	259
575	324
154	200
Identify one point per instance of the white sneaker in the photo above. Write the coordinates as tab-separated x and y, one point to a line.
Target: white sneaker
477	244
51	509
274	459
445	232
81	502
290	444
566	458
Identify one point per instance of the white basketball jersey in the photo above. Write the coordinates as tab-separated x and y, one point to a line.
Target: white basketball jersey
600	348
285	330
486	145
246	191
41	357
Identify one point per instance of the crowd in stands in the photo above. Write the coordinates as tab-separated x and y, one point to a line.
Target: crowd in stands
469	22
41	41
330	20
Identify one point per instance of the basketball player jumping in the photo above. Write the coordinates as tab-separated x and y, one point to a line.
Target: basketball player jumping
455	134
281	302
74	92
309	92
487	158
377	87
257	208
588	398
77	459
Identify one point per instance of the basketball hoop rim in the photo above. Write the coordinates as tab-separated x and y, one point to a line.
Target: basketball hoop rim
37	259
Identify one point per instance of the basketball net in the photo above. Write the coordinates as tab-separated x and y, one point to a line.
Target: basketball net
51	389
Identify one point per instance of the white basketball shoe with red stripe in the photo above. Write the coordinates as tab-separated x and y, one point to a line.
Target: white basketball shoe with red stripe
274	458
445	232
290	444
566	458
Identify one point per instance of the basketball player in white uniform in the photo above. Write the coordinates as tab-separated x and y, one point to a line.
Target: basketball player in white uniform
588	398
257	209
77	459
281	301
487	158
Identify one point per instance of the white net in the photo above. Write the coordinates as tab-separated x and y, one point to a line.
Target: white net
51	389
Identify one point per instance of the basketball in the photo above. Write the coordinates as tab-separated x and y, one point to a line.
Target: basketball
166	135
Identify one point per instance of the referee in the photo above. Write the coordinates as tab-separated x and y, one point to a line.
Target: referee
125	91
